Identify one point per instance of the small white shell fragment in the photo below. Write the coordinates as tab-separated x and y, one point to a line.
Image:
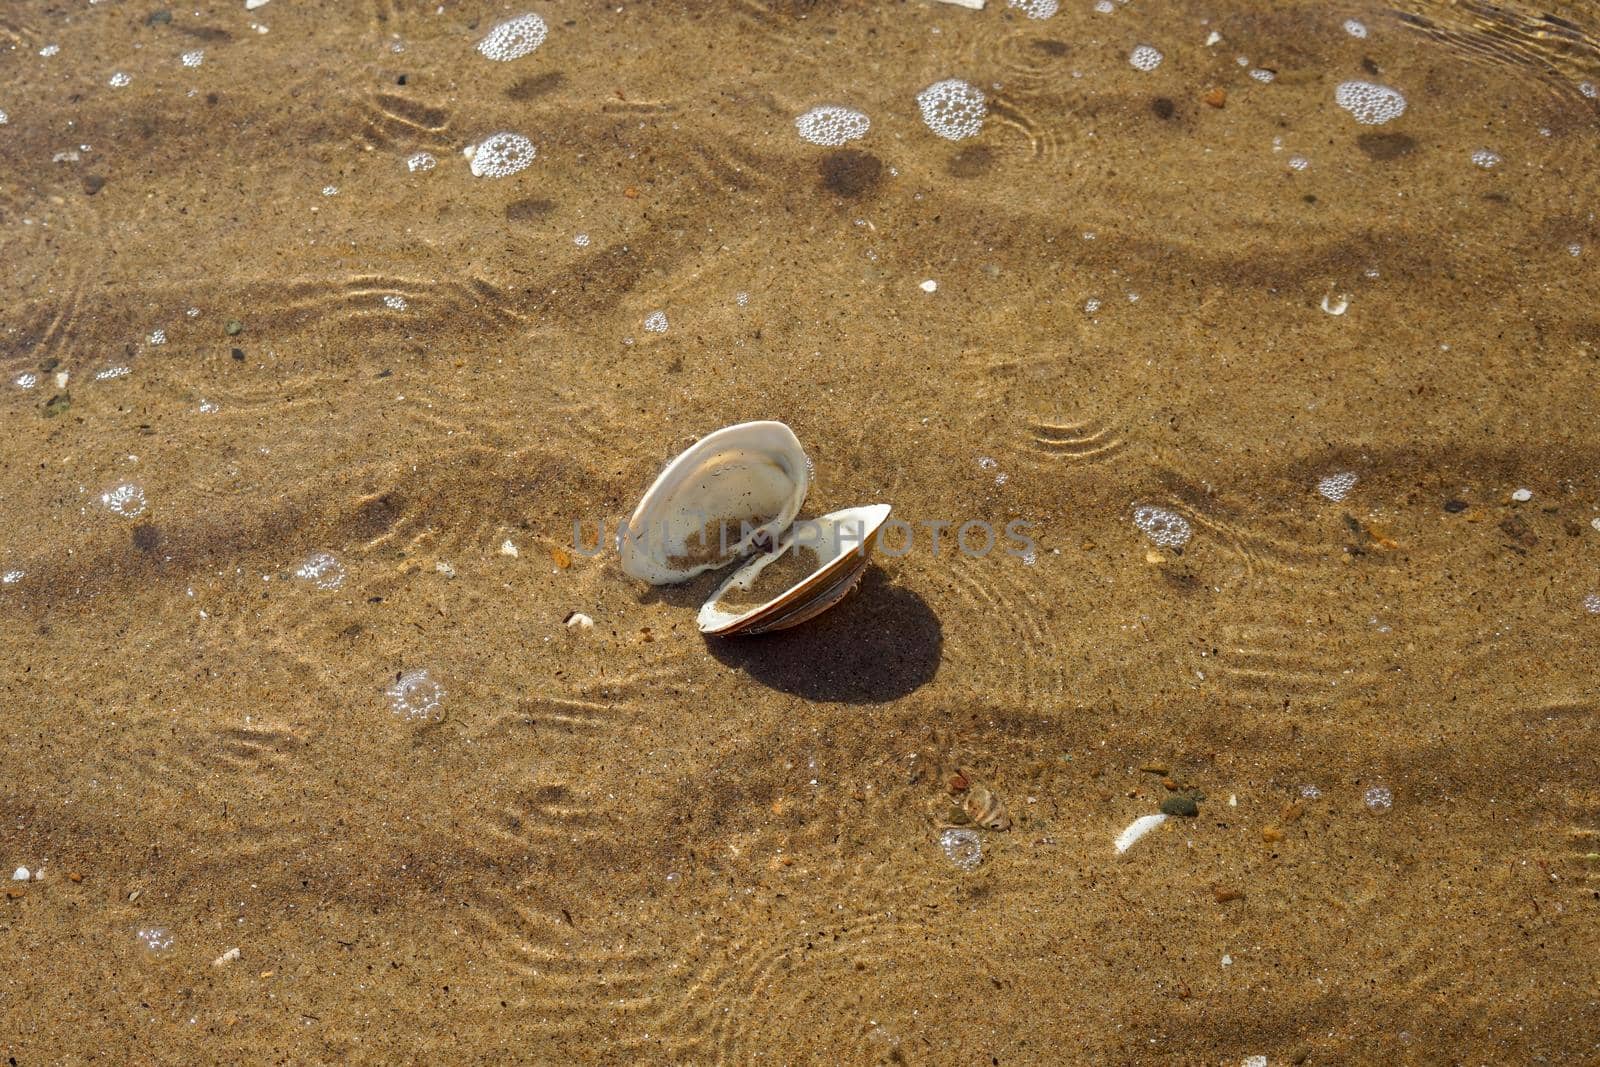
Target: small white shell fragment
929	286
1137	829
579	621
1522	496
972	5
20	874
1253	1061
444	568
1336	305
251	5
1213	38
508	547
226	958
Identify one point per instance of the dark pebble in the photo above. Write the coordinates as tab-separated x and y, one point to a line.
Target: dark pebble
1181	805
238	354
93	183
158	18
1455	507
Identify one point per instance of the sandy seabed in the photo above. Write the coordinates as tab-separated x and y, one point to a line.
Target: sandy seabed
298	412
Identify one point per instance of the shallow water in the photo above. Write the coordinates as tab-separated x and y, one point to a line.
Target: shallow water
300	411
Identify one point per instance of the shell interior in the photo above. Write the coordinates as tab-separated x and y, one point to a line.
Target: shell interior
736	488
823	558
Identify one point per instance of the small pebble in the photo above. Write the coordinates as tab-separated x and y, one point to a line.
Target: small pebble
508	547
234	328
929	286
1181	805
20	874
1522	496
226	958
579	621
1455	507
1224	894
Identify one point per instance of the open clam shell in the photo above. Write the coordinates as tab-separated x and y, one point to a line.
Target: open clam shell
835	550
734	489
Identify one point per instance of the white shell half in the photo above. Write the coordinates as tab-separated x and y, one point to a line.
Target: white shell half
753	476
841	542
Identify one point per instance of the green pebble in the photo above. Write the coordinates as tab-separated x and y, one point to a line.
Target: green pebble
57	405
1181	805
234	328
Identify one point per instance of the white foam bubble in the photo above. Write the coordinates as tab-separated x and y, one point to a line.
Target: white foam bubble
416	697
155	940
1337	486
322	570
1369	103
1486	158
1165	527
832	125
502	155
962	847
423	161
1355	28
1145	58
1036	9
514	38
656	322
4	118
126	500
119	79
953	109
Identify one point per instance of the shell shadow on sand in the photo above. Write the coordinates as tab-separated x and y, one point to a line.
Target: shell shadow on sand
879	645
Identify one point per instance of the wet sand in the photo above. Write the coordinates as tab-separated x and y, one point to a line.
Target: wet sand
629	844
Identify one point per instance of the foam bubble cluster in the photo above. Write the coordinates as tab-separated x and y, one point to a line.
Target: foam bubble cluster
1145	58
953	109
1591	603
394	303
1378	799
155	940
502	155
119	79
1337	486
832	125
1355	28
1486	158
322	570
656	322
421	161
1037	9
1166	528
514	38
962	847
1370	104
193	59
126	500
1263	75
416	697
